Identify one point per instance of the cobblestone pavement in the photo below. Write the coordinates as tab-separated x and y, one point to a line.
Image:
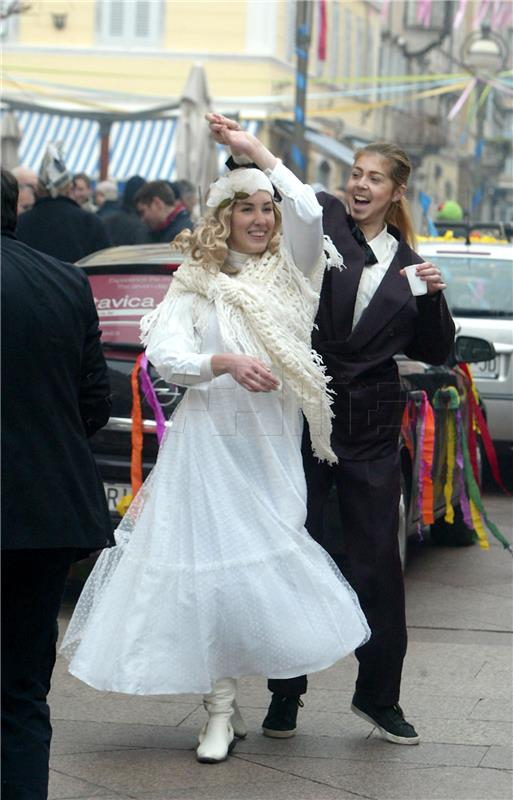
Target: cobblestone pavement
456	689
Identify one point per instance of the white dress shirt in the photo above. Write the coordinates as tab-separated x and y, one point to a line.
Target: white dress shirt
384	247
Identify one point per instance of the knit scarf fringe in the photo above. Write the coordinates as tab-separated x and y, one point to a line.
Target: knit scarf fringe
266	311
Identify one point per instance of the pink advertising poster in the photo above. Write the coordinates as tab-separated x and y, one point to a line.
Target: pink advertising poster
121	301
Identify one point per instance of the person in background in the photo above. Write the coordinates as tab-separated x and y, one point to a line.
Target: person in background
82	191
123	224
106	196
159	209
186	192
26	197
27	186
25	177
55	394
56	224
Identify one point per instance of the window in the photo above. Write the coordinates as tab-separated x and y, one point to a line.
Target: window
371	56
436	14
290	31
361	58
334	39
346	74
323	174
129	24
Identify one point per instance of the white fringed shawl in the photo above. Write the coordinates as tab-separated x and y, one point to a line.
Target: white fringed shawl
267	310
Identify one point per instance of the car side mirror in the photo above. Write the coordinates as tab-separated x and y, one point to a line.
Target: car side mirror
472	350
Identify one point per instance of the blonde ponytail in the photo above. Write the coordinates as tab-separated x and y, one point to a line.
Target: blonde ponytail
399	214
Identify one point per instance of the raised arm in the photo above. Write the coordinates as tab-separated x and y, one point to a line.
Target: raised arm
301	212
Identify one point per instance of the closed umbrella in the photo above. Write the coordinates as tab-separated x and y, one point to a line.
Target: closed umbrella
196	156
10	138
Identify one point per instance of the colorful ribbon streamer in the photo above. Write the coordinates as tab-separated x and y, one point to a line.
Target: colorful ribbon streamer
470	496
426	445
451	463
152	399
482	426
460	102
137	430
428	451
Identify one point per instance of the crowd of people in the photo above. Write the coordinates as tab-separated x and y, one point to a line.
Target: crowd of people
221	567
68	217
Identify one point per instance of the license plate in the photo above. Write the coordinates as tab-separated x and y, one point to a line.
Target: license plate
486	369
114	492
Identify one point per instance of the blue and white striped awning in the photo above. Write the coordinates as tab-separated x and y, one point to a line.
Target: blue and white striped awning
140	147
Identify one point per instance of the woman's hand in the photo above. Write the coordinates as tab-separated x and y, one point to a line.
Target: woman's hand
249	372
429	273
219	123
241	143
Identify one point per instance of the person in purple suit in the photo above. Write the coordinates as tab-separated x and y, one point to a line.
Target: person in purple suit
367	315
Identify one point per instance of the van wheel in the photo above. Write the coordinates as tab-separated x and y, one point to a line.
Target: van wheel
456	535
402	535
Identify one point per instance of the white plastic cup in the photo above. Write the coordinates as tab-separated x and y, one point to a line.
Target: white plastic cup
417	285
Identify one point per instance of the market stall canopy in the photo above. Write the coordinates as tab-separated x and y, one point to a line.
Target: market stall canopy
144	146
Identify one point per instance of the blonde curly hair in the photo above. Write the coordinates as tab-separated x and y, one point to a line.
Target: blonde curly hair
207	243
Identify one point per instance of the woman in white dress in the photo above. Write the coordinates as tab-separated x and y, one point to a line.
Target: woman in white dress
214	575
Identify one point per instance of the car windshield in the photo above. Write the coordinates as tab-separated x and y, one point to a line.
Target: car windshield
478	287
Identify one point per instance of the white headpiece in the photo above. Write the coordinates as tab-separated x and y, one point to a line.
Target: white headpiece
53	174
237	185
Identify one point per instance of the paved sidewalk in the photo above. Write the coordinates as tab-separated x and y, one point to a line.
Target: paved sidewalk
457	691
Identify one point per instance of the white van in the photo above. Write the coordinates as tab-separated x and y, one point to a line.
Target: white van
479	279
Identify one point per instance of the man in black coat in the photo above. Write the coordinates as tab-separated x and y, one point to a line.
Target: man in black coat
56	224
55	395
124	225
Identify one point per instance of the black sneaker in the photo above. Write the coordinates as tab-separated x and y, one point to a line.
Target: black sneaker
389	720
280	722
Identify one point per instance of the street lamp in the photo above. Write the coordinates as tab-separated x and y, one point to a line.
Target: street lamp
484	51
484	54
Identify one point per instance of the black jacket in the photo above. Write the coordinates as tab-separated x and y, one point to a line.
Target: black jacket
55	393
59	227
125	227
369	402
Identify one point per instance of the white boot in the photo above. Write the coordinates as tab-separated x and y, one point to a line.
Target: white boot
239	726
217	736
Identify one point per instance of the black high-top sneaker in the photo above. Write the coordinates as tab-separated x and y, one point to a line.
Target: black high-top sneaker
389	720
280	722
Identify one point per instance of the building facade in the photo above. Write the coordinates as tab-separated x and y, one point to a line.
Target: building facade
374	72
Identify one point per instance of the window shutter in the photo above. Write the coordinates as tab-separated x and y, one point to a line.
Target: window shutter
142	19
116	18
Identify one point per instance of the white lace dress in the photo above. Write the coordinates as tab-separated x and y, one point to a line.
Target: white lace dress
214	574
